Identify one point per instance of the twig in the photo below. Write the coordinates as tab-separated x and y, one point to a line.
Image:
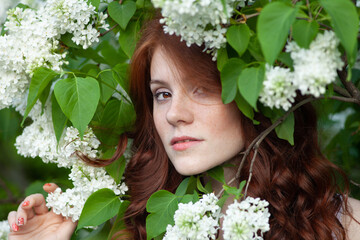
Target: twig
244	17
341	91
112	28
318	13
308	5
257	141
355	183
352	89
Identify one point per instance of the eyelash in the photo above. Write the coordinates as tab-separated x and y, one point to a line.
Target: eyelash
159	94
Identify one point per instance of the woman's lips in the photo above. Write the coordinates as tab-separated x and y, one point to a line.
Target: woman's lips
183	143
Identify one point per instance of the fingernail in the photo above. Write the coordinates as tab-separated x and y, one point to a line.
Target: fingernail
21	221
47	184
26	203
15	227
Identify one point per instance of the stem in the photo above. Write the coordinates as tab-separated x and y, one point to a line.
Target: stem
341	91
112	28
308	6
318	12
350	87
257	141
355	183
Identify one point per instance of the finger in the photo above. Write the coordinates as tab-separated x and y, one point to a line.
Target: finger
50	187
12	221
34	203
67	229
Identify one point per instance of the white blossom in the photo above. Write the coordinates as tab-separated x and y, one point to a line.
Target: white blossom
278	89
197	221
316	67
246	220
196	21
86	180
4	230
32	41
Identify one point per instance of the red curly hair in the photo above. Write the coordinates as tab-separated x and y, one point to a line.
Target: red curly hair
297	181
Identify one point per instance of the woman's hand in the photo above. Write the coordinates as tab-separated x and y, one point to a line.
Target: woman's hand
33	220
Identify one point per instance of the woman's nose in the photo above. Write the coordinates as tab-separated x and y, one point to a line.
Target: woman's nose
180	110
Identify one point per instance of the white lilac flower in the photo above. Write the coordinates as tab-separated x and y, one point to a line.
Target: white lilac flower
197	221
316	67
4	230
86	180
278	89
32	41
246	220
196	21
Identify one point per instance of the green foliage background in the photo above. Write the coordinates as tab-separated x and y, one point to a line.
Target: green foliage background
339	122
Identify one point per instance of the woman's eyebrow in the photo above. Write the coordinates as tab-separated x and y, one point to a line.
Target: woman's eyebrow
157	81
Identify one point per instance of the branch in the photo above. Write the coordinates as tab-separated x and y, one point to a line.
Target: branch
112	28
352	89
254	145
355	183
341	91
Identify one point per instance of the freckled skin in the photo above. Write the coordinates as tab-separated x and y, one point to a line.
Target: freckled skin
217	127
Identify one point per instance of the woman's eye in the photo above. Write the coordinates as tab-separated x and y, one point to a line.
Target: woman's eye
200	91
161	96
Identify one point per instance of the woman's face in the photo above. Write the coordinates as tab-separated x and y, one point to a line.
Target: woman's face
196	136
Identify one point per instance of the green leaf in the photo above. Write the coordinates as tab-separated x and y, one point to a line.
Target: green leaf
345	21
304	32
200	186
273	27
285	58
222	58
67	40
78	99
286	129
255	49
217	173
122	13
187	186
45	95
112	55
128	38
181	189
99	207
116	169
95	3
187	198
223	199
120	74
244	106
118	115
89	53
237	192
107	86
229	76
161	206
119	223
238	37
250	83
40	80
58	117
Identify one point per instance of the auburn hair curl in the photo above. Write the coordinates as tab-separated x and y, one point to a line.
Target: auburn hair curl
298	181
